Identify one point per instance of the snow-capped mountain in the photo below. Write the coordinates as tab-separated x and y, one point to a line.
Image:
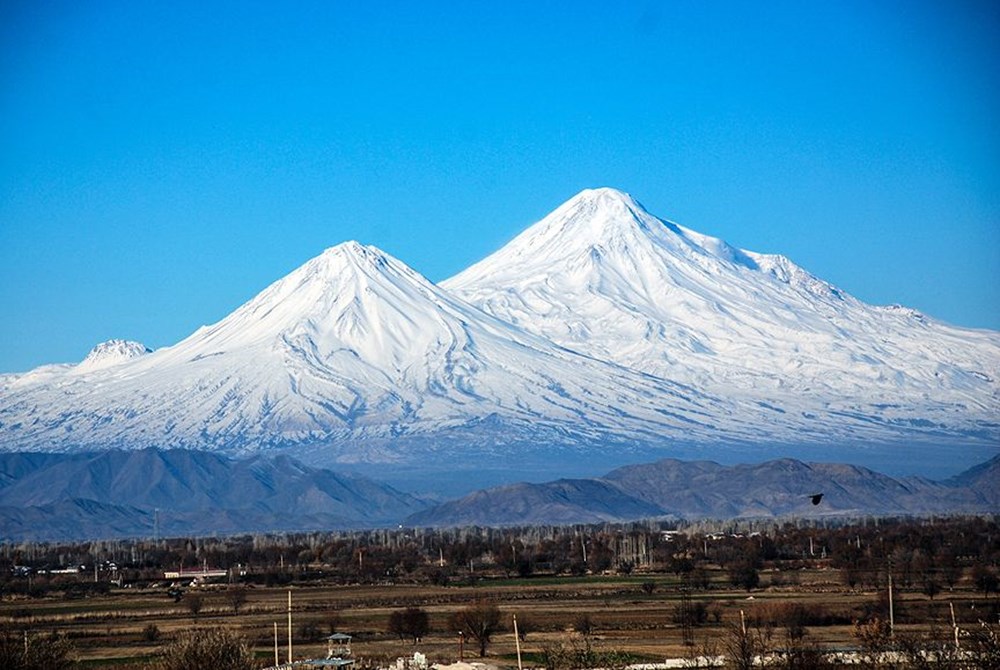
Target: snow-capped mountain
602	276
112	352
358	357
601	332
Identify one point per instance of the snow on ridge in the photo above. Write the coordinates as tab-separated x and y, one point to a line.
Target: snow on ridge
111	353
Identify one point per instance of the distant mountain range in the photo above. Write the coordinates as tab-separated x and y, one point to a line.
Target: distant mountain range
707	490
179	492
600	336
182	493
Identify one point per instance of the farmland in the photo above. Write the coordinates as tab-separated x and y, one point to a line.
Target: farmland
630	593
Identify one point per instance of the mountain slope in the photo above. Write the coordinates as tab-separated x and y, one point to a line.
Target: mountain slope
358	358
704	489
567	501
194	492
602	276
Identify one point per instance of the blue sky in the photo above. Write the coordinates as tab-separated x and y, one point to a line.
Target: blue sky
160	163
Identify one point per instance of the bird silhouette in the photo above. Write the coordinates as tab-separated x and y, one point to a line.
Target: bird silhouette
816	497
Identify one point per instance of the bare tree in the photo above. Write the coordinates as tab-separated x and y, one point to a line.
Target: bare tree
214	648
525	625
236	597
744	642
984	579
479	621
194	603
31	652
412	622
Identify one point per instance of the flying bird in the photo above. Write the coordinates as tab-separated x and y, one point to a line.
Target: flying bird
816	497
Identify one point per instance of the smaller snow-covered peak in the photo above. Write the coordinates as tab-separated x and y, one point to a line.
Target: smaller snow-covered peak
608	199
352	249
348	254
345	266
349	266
112	352
352	300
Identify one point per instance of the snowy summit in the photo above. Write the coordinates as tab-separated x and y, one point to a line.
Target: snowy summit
112	352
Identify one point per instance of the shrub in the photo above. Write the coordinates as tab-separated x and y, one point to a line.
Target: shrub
18	652
214	648
151	633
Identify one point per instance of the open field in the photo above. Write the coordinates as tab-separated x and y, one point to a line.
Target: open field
583	595
636	613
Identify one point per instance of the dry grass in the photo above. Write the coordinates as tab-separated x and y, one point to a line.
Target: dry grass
110	630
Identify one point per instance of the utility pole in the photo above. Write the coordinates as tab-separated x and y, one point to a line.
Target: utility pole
954	625
517	642
289	626
892	618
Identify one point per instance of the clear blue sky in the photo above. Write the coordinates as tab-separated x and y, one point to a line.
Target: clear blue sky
161	162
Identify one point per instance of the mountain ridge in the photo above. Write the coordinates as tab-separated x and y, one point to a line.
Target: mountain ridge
145	493
674	489
184	491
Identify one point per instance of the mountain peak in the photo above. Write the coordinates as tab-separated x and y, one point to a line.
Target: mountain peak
112	352
351	253
351	249
603	196
595	215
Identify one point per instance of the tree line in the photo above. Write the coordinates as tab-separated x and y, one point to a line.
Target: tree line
930	554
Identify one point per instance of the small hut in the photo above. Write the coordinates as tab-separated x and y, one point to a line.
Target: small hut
338	646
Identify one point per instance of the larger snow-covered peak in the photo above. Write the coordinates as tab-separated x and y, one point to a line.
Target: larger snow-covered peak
602	276
604	221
